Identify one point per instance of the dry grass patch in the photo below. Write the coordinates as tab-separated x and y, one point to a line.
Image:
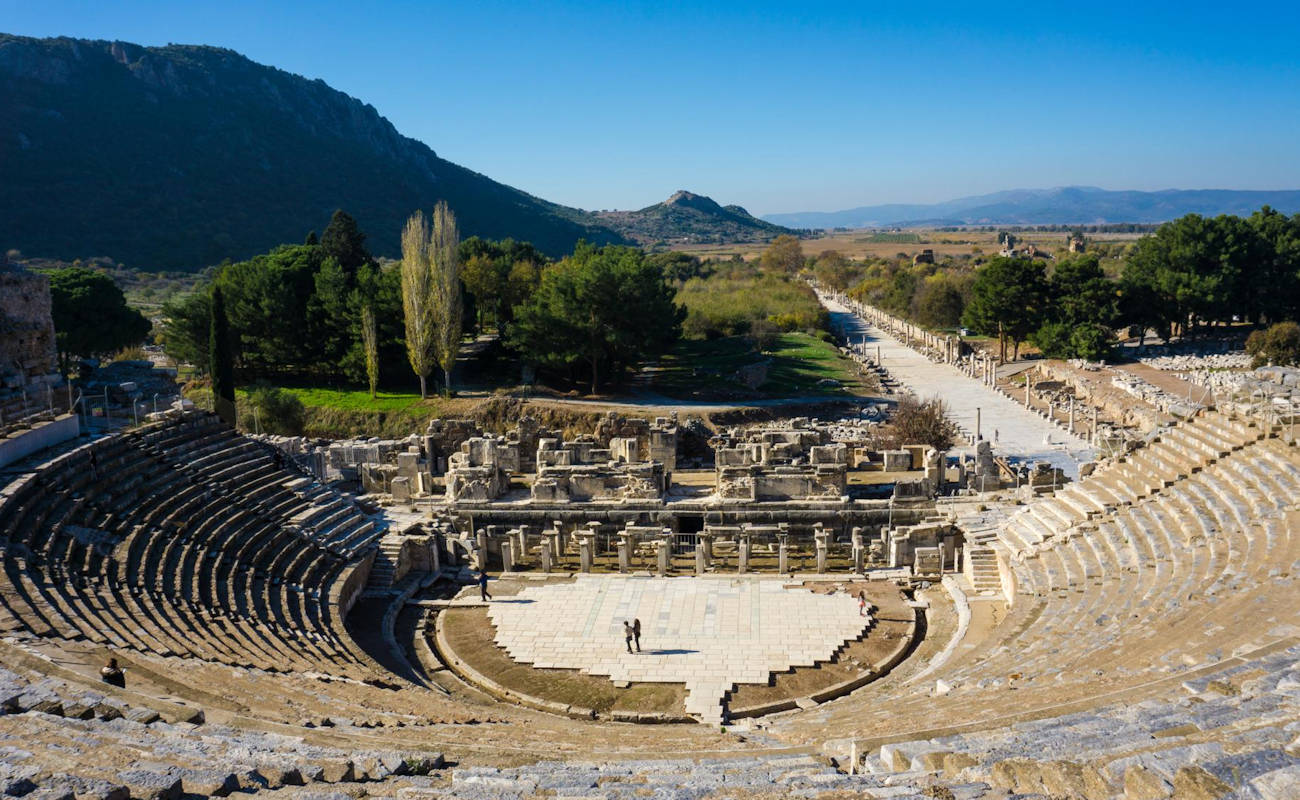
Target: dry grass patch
894	620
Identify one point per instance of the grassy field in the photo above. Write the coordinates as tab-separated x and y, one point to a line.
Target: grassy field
358	400
705	369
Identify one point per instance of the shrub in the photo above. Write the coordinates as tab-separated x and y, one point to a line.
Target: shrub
135	353
920	422
277	411
1278	345
764	334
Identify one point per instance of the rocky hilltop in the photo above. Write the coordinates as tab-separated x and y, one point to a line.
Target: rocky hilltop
178	157
687	218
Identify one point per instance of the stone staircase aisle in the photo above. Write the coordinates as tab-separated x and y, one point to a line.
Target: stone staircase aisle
983	572
384	570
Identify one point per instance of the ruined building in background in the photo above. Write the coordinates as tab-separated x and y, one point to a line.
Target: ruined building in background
28	356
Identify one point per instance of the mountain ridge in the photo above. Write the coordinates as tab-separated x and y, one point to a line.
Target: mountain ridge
1061	205
177	157
686	217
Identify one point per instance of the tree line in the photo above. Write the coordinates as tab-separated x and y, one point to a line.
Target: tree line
1184	277
327	310
1188	275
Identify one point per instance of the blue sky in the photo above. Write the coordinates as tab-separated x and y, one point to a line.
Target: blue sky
782	106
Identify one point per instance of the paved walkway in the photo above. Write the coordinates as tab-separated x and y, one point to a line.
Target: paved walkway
1019	433
710	633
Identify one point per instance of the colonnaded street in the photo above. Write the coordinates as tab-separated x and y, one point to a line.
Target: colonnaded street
1019	433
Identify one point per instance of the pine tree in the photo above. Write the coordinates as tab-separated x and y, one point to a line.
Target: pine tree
221	361
344	241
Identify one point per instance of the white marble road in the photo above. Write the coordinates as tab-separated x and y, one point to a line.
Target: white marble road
1020	433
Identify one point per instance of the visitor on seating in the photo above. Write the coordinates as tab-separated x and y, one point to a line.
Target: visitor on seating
112	674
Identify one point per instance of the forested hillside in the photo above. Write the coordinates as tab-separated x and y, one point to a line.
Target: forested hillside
179	157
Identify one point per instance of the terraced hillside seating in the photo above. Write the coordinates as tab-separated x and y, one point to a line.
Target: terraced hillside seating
1178	452
1225	731
1135	635
59	740
184	538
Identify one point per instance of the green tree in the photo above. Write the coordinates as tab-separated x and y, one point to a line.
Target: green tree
834	270
680	267
186	325
939	302
607	308
783	255
331	314
1276	278
1279	345
221	361
264	294
1197	269
344	241
277	411
91	317
1083	306
1007	300
498	276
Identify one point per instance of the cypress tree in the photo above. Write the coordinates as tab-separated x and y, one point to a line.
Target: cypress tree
221	362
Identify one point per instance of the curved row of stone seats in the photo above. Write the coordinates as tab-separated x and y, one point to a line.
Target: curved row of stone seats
763	775
1119	608
1177	452
57	755
1231	730
179	539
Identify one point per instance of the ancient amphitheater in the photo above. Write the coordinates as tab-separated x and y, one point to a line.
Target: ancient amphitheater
1133	634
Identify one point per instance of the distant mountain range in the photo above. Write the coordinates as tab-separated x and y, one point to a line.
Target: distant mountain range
1060	206
178	157
689	218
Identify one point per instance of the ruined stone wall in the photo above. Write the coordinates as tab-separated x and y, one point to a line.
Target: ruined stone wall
27	349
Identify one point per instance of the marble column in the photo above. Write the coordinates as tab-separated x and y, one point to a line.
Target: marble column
546	554
624	553
664	552
482	549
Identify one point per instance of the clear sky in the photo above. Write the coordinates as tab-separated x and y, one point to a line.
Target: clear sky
782	106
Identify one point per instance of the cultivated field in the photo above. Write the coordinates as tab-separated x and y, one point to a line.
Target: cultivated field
858	244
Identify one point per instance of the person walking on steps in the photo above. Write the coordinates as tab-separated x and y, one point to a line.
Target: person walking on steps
629	633
636	633
862	603
482	585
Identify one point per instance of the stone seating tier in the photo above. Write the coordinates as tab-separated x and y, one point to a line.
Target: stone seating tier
157	545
